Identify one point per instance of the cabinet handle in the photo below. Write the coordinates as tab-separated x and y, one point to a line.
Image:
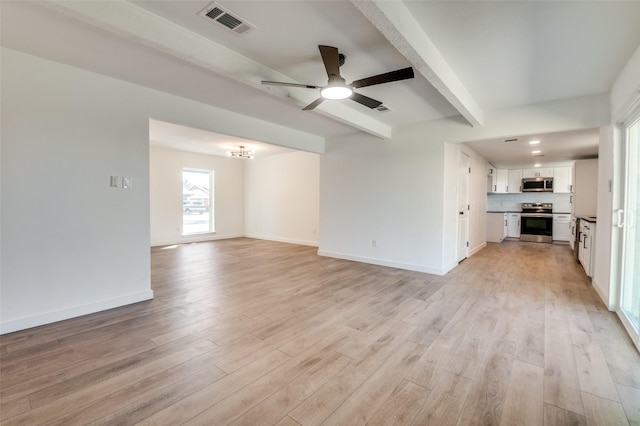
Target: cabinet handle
495	188
584	242
505	222
571	188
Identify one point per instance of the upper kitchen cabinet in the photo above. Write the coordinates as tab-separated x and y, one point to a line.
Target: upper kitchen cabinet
585	188
537	172
563	180
498	182
514	181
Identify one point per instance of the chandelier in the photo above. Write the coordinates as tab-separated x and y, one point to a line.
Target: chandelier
243	153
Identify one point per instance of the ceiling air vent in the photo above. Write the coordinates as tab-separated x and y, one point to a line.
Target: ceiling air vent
382	108
229	21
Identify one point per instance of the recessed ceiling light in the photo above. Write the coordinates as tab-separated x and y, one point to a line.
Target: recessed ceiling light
537	151
537	165
534	142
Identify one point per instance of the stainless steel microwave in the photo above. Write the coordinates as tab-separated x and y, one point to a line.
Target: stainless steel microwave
538	184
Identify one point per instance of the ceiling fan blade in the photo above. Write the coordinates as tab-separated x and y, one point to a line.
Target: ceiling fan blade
365	100
279	83
388	77
313	104
331	60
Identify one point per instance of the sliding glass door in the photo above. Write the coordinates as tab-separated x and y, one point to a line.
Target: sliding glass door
629	307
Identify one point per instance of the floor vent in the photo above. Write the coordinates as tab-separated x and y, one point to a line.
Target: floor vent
229	21
382	108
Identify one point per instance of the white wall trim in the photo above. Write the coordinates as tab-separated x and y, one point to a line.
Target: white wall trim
477	249
76	311
611	305
187	239
283	240
384	262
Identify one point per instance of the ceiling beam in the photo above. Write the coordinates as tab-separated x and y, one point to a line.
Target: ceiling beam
141	26
395	22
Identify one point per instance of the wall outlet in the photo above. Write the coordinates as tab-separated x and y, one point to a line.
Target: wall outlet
113	182
126	183
374	243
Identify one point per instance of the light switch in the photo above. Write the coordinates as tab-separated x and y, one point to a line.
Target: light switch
113	182
126	183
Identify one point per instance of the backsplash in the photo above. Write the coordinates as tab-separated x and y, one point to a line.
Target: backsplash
513	202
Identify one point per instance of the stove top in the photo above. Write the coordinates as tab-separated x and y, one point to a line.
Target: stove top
537	207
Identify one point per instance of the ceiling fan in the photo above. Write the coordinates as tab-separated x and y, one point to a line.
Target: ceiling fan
336	87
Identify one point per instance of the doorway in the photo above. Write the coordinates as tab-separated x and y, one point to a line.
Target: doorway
464	163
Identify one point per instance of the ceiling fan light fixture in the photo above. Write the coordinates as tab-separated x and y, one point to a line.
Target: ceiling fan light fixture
336	92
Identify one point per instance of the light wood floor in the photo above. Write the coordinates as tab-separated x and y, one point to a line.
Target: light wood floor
261	333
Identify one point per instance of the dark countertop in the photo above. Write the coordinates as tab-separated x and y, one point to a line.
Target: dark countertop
591	219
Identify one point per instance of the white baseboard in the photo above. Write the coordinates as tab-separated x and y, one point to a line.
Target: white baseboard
195	239
603	296
283	240
76	311
477	249
384	262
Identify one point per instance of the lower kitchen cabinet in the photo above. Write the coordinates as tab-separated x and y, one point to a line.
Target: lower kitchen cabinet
496	227
513	225
561	227
586	250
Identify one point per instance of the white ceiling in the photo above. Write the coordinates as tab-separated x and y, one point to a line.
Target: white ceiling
555	149
470	57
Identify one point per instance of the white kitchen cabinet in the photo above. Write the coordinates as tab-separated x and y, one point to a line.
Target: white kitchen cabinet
499	181
586	250
496	227
513	225
561	227
585	188
514	181
563	180
537	172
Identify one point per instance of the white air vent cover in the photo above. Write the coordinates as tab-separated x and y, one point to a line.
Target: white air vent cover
382	108
226	19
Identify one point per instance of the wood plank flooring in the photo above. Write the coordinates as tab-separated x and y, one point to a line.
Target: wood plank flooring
251	332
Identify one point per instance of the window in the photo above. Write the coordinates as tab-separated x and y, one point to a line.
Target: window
197	206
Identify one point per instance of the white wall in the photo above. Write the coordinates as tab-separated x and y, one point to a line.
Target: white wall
387	191
165	168
282	198
71	245
624	92
602	264
399	192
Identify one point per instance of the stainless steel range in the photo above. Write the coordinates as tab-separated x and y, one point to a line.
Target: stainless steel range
536	222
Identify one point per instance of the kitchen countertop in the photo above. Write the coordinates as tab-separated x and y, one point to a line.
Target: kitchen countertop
520	211
592	219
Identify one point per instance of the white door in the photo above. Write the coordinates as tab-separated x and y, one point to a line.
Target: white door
629	306
464	163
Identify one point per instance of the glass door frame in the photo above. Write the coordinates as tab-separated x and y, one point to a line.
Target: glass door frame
623	216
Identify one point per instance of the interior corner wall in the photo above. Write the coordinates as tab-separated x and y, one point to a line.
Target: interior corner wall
282	198
165	187
71	244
